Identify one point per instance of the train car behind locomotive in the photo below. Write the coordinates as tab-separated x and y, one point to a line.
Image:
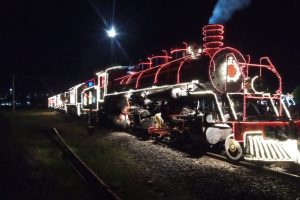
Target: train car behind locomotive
207	95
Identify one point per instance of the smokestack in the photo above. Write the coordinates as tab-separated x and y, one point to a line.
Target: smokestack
224	9
212	37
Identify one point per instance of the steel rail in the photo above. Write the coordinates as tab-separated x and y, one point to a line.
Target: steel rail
84	171
256	167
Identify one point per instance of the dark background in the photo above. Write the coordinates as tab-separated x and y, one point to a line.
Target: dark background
52	45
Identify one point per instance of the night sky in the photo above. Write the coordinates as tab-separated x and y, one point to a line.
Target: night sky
52	45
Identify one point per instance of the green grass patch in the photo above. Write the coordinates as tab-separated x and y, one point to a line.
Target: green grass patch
28	128
112	162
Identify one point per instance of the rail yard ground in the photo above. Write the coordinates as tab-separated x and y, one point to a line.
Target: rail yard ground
31	166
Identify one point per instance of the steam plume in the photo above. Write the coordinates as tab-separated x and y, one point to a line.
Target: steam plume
224	10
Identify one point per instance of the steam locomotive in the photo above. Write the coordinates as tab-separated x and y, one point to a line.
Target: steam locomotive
202	95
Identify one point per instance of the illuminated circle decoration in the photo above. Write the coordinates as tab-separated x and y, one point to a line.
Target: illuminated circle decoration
225	72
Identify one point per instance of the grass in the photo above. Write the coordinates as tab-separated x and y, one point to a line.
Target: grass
111	162
28	128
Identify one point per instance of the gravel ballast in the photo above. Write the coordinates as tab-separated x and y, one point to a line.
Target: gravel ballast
200	177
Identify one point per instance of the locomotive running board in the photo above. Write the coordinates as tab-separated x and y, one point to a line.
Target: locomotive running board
270	150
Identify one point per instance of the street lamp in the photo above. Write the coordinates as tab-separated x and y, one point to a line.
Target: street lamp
112	32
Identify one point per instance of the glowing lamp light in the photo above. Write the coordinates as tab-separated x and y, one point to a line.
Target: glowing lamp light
90	84
111	33
230	70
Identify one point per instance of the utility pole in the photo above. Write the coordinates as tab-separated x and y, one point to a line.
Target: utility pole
13	92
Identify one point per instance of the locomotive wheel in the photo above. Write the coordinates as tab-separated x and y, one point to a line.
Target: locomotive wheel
233	148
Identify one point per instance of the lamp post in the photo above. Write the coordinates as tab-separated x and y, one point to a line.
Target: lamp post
13	92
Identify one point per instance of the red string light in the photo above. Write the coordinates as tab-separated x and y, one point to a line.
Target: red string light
212	37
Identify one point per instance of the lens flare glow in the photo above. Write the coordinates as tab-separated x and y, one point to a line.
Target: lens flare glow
111	33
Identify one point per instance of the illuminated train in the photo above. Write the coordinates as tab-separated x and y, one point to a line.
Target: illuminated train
201	96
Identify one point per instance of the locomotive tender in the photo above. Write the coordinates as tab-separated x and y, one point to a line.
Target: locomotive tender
203	95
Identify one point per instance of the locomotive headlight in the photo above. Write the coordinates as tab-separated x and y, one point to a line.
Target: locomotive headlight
231	70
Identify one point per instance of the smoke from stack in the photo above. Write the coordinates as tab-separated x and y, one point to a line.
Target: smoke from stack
224	9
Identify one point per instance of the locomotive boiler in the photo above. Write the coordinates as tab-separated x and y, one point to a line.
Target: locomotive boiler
198	95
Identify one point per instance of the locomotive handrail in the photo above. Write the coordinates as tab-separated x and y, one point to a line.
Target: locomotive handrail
158	71
143	63
181	49
248	62
141	73
179	69
273	69
177	50
165	57
154	57
123	77
129	78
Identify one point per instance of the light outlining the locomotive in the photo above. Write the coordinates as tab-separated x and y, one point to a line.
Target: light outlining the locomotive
253	86
194	53
288	99
213	37
209	95
268	95
286	110
231	104
268	150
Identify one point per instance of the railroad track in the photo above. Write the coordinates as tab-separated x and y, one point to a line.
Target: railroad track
256	167
87	174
